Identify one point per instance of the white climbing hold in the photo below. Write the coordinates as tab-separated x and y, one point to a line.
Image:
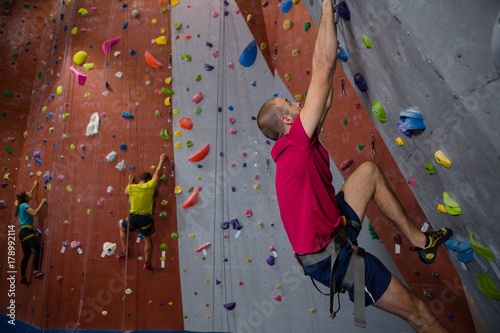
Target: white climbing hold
93	126
119	75
111	157
121	166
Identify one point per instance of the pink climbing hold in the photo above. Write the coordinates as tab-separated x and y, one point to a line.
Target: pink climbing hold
248	213
100	202
412	181
233	131
346	164
231	120
106	46
80	78
230	65
197	98
75	244
240	283
277	298
59	278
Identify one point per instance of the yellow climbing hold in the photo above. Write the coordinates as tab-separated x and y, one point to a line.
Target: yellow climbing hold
59	90
51	130
153	21
312	310
162	40
175	111
295	52
367	42
177	189
288	77
441	209
399	141
207	281
249	259
178	133
261	224
86	95
89	211
88	66
69	189
299	97
168	80
65	116
83	11
287	25
191	235
64	136
295	2
164	202
442	159
249	17
162	31
174	3
44	108
278	286
80	57
73	147
256	187
25	134
170	303
74	31
167	101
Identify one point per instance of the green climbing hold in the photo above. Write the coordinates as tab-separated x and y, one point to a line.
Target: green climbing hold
430	168
487	286
186	57
361	147
379	111
15	56
367	42
480	249
451	206
344	121
164	135
26	5
164	10
157	113
164	247
80	57
9	150
307	26
197	78
189	143
8	93
163	214
197	110
372	231
166	91
174	235
39	74
177	26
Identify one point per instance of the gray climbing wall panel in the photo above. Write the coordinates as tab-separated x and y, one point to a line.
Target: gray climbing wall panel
436	56
228	176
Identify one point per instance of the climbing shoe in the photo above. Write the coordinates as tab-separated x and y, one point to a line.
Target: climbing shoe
123	254
434	239
148	267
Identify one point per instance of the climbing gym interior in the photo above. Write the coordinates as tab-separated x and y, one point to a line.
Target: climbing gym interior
95	91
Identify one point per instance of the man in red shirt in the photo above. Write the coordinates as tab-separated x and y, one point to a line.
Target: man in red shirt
313	215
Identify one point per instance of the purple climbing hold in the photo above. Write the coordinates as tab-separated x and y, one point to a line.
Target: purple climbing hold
236	224
217	281
270	260
37	153
224	225
360	82
230	306
208	44
404	130
265	4
343	11
208	67
47	177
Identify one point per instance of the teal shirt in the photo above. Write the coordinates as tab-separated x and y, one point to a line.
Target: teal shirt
25	218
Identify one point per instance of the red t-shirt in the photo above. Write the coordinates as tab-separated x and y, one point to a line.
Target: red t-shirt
306	196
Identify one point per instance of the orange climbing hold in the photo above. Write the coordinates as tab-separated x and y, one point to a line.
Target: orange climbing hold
200	154
192	199
152	61
186	123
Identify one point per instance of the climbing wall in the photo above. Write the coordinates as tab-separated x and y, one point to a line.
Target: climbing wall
233	269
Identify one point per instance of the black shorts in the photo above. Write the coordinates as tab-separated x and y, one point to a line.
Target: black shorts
142	222
377	276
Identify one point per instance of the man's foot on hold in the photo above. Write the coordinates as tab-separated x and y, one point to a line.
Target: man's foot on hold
434	239
38	275
148	267
23	281
123	254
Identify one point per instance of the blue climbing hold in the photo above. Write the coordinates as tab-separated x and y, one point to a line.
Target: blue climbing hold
125	25
249	55
123	146
127	115
412	119
360	82
286	6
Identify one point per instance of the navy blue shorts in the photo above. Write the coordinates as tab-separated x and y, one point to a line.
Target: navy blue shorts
377	276
142	222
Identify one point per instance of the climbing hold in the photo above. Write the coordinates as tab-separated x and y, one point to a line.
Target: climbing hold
123	147
307	26
270	260
167	101
74	31
177	26
152	61
135	13
128	291
295	52
230	306
312	310
127	115
412	119
192	199
465	253
166	91
442	159
360	82
72	146
208	67
83	11
88	66
399	141
430	168
286	6
197	110
412	181
249	55
287	77
346	164
163	214
186	57
249	17
404	130
69	189
441	209
287	25
367	42
277	298
197	78
480	249
230	65
343	11
80	57
125	25
164	135
121	166
379	111
106	46
233	131
342	53
361	146
200	154
248	213
186	123
203	247
452	207
263	46
162	40
111	156
487	286
197	98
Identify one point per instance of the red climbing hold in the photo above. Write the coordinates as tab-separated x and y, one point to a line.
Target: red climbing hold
192	199
186	123
200	154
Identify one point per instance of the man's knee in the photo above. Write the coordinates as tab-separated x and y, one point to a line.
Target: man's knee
369	167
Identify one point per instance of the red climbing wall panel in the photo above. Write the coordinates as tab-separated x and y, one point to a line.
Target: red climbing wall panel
343	142
90	284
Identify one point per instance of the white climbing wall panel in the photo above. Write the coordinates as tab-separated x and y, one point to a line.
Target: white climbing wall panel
234	267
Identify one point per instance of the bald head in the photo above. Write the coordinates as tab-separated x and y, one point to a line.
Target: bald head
269	119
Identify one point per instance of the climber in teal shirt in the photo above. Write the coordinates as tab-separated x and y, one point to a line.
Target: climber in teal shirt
27	234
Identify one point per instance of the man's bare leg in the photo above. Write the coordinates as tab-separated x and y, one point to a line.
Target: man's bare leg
368	182
400	301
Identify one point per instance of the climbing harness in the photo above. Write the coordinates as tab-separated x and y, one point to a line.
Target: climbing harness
354	274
